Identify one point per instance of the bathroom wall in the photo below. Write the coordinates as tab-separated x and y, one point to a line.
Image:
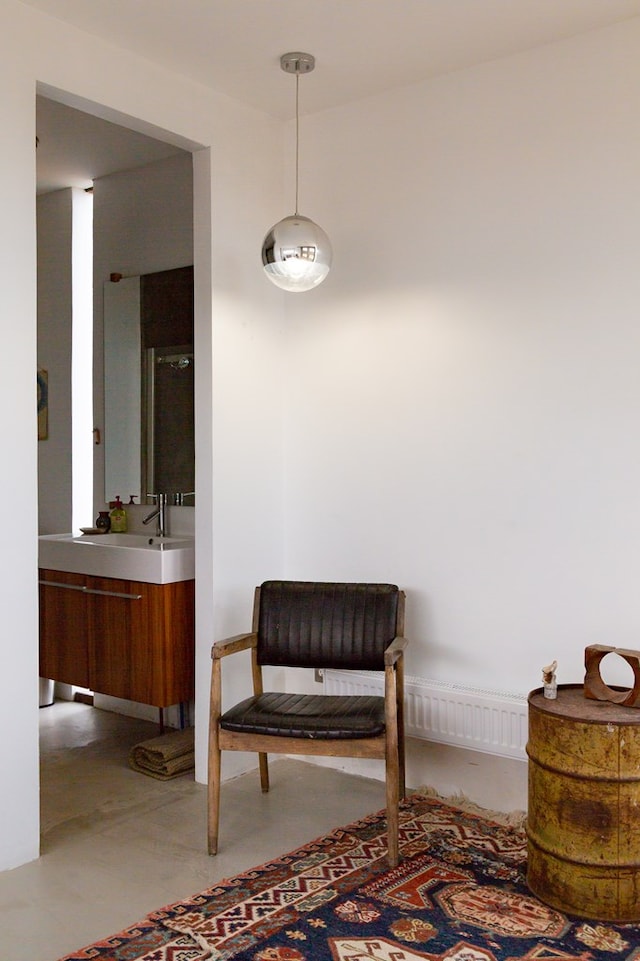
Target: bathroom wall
143	223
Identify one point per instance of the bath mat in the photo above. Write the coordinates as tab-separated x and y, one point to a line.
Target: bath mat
164	757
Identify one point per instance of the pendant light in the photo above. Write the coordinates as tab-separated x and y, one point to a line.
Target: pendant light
296	252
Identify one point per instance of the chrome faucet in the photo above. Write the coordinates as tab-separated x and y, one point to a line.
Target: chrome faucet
158	511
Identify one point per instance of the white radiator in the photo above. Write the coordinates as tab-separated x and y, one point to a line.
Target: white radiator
490	721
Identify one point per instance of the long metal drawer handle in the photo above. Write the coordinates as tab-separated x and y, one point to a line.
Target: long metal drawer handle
131	597
67	587
90	590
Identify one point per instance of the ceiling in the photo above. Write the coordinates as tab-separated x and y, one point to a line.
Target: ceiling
361	47
75	148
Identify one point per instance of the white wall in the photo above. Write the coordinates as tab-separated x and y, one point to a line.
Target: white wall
18	597
55	305
462	411
36	49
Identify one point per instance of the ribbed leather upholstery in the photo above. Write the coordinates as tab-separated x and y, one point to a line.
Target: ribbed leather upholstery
307	624
319	716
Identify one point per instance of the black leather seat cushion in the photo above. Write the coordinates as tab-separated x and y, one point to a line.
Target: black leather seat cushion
321	716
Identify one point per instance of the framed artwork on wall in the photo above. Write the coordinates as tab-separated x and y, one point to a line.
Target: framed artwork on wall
43	404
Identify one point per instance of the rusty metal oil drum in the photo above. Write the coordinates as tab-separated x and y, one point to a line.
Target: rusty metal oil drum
583	820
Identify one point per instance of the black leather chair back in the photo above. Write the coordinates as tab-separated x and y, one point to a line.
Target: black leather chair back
325	625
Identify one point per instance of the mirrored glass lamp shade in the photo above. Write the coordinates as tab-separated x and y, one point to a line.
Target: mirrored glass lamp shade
296	254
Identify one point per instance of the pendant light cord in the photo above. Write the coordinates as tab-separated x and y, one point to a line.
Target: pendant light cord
297	136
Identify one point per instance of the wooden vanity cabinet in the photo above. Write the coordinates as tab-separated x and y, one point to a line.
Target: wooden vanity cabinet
127	639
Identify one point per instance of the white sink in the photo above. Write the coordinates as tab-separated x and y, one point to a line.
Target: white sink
133	557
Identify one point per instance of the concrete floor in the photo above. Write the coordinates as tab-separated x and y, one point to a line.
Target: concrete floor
117	844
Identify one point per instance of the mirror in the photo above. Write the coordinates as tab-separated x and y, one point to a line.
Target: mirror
148	387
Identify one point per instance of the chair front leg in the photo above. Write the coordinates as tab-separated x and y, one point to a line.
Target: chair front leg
392	766
213	779
393	825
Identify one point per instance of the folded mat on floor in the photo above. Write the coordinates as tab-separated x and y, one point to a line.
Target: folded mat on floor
166	756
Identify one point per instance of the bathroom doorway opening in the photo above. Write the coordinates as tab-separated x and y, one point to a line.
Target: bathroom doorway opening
89	480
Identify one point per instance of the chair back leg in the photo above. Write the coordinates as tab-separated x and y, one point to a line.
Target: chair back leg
258	688
400	722
264	773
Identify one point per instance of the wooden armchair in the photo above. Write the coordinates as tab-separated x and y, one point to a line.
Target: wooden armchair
316	625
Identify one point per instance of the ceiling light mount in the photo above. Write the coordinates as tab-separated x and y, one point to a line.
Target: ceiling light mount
296	252
297	62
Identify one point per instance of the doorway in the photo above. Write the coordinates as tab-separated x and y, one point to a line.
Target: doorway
109	153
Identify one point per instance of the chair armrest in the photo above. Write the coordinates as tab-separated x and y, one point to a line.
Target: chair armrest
395	650
231	645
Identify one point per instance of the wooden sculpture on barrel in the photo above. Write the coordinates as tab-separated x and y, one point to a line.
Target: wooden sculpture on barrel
594	686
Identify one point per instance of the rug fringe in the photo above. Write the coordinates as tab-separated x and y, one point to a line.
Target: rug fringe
514	819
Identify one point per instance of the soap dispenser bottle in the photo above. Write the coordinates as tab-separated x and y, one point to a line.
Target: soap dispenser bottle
118	517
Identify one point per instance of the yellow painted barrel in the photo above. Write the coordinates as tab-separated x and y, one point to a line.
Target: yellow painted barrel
583	820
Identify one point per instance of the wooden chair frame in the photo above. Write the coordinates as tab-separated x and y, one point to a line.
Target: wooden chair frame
388	746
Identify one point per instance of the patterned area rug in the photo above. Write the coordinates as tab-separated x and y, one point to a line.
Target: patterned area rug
458	895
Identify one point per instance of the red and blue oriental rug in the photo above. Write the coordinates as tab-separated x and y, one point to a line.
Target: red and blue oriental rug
458	894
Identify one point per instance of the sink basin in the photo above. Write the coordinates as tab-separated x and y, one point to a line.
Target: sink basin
133	540
134	557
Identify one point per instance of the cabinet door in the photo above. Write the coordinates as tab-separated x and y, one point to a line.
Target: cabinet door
63	628
118	628
141	640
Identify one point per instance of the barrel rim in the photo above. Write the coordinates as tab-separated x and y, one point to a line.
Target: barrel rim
549	707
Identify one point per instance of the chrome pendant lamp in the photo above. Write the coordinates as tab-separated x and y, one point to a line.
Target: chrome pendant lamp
296	252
